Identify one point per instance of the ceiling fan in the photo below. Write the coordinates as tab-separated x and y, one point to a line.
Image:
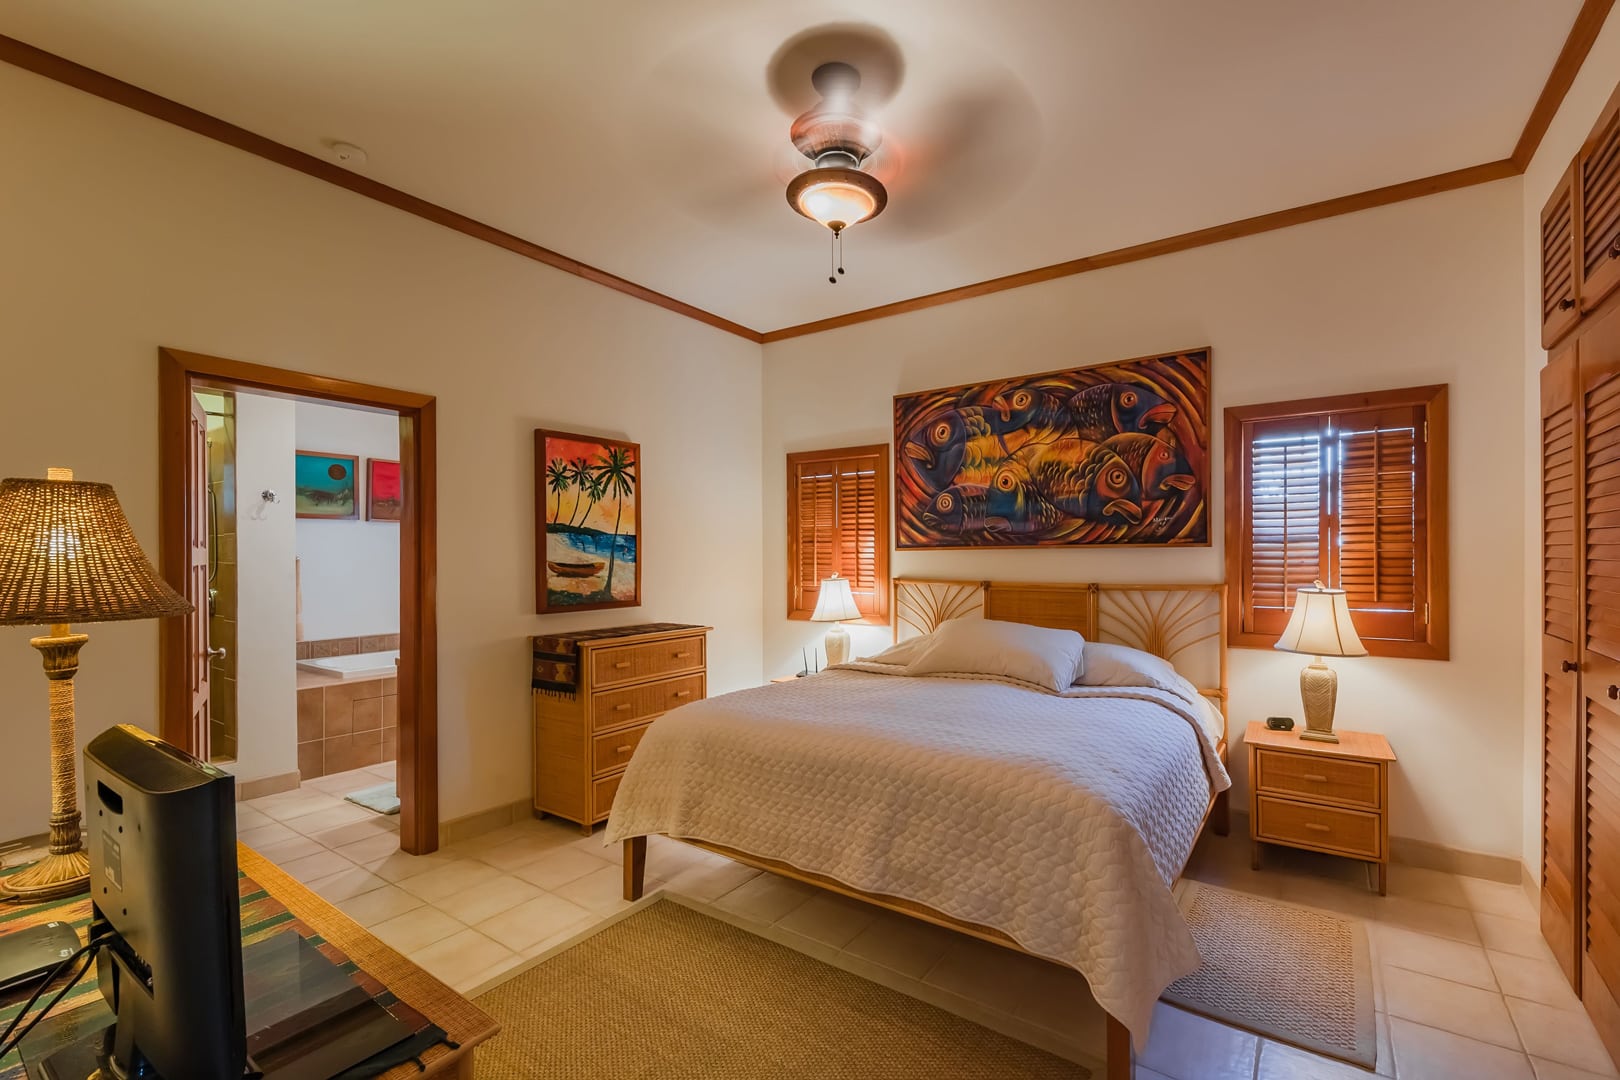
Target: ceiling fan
838	138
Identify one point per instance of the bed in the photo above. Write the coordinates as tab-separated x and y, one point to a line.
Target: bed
1054	823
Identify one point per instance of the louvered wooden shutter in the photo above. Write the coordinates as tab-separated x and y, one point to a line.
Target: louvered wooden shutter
1378	469
838	524
1285	539
1560	759
1598	168
1560	269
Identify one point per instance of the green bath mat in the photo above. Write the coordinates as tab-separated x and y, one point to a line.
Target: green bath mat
384	798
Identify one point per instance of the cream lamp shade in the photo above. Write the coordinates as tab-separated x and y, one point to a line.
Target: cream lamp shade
1320	626
67	555
834	604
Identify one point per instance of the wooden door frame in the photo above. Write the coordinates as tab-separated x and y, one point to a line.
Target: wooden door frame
178	373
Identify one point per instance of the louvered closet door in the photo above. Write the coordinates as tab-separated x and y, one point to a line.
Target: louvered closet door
1599	507
1598	202
1560	821
1560	268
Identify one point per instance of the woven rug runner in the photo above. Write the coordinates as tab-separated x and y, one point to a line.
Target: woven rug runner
262	916
1294	974
671	994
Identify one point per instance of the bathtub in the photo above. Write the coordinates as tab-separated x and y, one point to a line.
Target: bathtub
371	665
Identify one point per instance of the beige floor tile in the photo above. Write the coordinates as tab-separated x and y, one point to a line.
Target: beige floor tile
1279	1062
1512	936
708	881
1425	1053
1423	917
902	945
1337	896
1142	1072
1190	1047
319	821
372	848
1498	898
296	803
355	831
1385	1065
319	865
558	866
1533	979
1440	1003
449	879
982	972
1434	886
286	851
379	905
342	783
248	817
1440	957
461	957
397	866
1554	1070
518	853
535	921
416	929
765	898
387	770
1560	1035
515	831
601	891
346	883
261	836
830	919
487	899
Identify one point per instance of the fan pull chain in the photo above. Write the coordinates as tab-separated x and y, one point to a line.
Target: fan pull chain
840	251
835	256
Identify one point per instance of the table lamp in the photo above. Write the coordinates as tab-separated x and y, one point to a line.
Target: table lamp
1320	626
836	604
67	555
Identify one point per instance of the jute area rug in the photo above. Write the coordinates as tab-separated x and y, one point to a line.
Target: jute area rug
668	993
1294	974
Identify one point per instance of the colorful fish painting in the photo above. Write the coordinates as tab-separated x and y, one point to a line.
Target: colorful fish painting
1115	454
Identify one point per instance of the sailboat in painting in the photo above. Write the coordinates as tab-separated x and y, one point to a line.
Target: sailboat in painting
588	518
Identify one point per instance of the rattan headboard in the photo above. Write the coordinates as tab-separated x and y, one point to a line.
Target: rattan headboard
1185	624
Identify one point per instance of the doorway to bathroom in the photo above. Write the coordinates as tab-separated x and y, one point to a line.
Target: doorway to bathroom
299	516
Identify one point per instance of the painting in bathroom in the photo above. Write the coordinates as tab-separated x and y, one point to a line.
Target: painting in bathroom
588	522
326	485
385	494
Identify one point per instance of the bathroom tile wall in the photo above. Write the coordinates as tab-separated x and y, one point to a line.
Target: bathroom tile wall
347	725
347	646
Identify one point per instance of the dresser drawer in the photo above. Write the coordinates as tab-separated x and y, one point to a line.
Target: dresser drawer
602	792
615	708
1316	776
632	663
613	750
1351	831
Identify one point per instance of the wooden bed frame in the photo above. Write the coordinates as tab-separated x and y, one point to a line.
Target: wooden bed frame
1185	624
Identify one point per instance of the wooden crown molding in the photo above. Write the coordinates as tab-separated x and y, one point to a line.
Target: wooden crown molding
1588	22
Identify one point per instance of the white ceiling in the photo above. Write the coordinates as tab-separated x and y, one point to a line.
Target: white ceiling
641	136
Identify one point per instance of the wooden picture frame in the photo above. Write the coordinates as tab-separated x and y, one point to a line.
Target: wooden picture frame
385	490
326	487
587	515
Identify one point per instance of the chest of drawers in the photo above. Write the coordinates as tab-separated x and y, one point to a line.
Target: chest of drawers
583	742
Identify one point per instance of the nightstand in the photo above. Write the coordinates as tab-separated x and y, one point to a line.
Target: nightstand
1327	797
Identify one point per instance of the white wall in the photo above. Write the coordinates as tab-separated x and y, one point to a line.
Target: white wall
123	234
266	684
1570	126
350	568
1427	291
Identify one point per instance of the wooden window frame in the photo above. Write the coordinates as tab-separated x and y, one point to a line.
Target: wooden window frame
879	615
1432	511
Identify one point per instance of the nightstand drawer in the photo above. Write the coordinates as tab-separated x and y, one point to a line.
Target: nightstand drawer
1319	777
632	663
613	750
615	708
1323	827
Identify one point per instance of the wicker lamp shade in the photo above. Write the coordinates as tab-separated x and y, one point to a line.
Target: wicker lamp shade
68	555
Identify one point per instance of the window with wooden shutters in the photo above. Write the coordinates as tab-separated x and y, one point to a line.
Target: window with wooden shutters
1350	491
838	523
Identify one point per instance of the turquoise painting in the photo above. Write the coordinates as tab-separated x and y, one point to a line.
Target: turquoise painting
325	485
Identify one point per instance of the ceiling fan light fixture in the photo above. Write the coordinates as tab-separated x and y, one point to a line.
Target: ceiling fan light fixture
837	197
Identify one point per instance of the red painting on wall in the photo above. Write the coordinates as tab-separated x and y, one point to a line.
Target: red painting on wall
385	490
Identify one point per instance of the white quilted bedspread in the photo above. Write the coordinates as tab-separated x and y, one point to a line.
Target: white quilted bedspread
1061	820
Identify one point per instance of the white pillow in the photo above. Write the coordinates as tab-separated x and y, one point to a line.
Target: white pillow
1121	665
1032	654
901	654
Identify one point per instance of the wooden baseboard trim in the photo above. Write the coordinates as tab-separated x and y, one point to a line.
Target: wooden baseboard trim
266	785
480	822
1426	855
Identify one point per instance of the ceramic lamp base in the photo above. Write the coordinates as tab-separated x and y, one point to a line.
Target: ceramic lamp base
1319	691
837	645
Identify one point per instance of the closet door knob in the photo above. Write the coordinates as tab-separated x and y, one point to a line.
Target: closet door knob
1566	303
1614	248
1569	665
1614	692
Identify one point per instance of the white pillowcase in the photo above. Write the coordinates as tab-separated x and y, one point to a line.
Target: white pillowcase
1121	665
1031	654
900	655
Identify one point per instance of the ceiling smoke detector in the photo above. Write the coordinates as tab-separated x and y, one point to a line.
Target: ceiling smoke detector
344	153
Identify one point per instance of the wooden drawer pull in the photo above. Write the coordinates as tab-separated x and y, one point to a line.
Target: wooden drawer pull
682	693
683	656
1315	827
1316	778
627	748
622	664
622	707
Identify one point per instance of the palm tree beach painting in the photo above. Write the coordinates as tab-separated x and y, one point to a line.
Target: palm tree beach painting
588	522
